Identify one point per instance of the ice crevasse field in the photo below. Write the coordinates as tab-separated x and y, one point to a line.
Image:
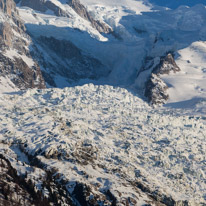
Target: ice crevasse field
127	141
162	148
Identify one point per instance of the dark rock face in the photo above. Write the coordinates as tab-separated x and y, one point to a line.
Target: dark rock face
7	6
6	34
13	37
167	65
64	59
21	74
15	190
38	5
42	6
63	48
156	88
18	190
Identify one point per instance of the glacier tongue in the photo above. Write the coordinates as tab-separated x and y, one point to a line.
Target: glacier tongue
110	140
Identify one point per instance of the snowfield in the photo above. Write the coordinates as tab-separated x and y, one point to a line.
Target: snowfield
142	34
101	143
190	83
108	138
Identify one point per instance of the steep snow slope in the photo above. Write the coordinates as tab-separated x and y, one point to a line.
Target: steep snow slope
7	85
190	84
138	34
104	47
109	140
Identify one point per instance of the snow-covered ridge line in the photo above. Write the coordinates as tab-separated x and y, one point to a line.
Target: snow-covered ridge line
126	141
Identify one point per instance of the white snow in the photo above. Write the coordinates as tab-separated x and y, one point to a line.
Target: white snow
51	21
190	83
162	148
143	33
165	149
6	85
27	60
12	54
113	11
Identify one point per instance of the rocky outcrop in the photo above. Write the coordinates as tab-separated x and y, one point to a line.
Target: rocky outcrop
16	190
156	90
22	190
14	46
6	34
67	61
57	10
20	73
166	66
43	6
155	87
82	11
8	7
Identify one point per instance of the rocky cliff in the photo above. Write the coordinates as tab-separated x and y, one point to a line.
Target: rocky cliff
16	63
8	7
155	87
65	63
82	11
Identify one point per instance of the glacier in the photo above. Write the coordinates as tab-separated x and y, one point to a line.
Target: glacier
108	138
91	137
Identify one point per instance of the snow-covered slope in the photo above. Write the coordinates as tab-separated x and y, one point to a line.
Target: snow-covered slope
73	27
109	140
17	68
182	33
176	3
101	144
190	84
134	32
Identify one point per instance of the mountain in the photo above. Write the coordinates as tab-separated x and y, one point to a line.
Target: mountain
102	102
18	70
115	43
65	63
